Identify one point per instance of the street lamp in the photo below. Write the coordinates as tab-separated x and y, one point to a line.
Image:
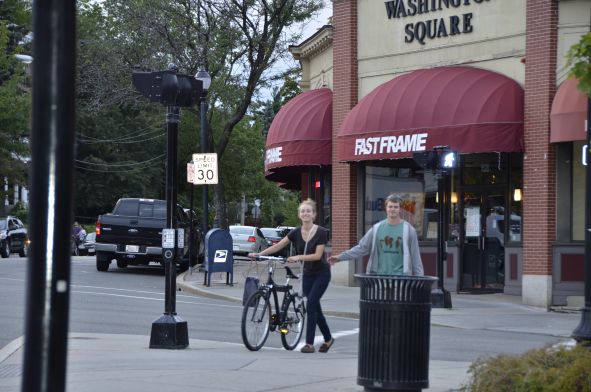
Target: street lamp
205	79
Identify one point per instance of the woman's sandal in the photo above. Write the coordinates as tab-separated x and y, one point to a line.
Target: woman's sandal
326	345
308	348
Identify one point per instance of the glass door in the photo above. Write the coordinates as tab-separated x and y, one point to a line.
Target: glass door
483	252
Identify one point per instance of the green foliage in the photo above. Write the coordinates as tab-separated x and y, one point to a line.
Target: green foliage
579	57
21	212
239	43
544	370
15	95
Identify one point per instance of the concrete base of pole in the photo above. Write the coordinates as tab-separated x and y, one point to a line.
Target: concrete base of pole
582	333
169	332
440	298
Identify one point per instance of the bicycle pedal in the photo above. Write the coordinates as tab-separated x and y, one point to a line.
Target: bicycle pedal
284	330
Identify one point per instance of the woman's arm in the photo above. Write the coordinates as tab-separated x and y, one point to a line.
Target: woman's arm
272	249
316	256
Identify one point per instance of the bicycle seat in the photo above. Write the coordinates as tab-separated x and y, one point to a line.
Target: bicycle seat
290	273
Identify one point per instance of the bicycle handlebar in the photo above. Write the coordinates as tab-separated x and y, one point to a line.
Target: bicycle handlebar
271	258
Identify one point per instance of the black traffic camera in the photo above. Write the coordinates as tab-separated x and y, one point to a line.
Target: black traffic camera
168	87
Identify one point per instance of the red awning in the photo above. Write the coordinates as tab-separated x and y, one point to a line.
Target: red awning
470	110
568	115
301	133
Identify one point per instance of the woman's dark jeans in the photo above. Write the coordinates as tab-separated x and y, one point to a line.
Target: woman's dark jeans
314	287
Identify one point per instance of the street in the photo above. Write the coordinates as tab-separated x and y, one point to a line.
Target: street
127	301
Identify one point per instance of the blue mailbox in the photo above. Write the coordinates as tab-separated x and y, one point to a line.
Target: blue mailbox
219	255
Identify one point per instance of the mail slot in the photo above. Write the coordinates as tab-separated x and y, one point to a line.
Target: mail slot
219	256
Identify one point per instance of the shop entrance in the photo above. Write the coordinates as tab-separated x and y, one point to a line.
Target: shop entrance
482	238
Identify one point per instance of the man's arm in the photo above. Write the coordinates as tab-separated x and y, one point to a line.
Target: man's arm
359	250
415	254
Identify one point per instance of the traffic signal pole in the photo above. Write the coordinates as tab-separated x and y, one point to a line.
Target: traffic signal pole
170	331
440	297
583	331
174	91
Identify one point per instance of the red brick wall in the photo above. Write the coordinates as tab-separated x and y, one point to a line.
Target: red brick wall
344	176
539	213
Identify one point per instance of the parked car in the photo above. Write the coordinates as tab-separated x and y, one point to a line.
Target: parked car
247	239
273	236
13	237
86	247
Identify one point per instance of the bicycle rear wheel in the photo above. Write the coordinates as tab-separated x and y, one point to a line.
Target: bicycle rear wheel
256	319
295	320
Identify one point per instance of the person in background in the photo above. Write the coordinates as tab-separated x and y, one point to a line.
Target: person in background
392	245
309	242
78	233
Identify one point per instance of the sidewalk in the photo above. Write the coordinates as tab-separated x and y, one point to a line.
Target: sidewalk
499	312
99	362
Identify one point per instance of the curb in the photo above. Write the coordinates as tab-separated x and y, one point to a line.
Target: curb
189	288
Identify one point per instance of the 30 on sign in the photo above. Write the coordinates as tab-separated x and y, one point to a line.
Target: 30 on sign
205	168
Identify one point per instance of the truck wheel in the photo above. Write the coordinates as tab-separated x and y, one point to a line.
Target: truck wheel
102	261
23	252
5	250
121	263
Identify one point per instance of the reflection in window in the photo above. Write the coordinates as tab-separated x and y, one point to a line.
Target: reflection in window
487	169
578	204
515	197
417	188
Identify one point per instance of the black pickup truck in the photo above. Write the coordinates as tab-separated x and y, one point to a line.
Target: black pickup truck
132	234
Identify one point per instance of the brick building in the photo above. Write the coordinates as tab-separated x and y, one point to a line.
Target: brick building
486	78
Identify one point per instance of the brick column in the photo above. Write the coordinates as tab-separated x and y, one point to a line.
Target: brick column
539	177
344	176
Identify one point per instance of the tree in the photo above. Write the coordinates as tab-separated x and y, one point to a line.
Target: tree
15	95
238	42
579	57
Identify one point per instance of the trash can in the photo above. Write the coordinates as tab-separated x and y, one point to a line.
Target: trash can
394	332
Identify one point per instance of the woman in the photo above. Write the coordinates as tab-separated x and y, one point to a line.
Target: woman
309	241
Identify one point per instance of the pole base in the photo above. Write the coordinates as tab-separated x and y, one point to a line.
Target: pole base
169	332
440	298
582	333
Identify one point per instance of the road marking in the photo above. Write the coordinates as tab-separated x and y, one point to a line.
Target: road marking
10	348
154	299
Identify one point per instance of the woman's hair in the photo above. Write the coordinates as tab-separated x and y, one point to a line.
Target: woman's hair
309	202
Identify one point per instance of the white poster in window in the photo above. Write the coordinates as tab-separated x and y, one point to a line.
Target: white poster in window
472	221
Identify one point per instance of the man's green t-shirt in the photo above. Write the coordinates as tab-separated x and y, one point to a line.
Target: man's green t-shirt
390	253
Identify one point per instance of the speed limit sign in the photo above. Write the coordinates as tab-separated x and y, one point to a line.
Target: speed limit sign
205	168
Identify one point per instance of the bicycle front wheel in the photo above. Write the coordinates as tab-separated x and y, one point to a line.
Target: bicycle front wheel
295	320
256	320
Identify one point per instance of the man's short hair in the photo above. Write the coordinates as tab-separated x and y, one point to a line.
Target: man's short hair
394	198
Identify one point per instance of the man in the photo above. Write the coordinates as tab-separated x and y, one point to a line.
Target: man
392	245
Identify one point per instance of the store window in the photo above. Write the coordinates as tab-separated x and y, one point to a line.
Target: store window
578	193
416	187
516	197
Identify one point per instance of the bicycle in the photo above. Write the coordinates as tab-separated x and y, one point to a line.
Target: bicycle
259	318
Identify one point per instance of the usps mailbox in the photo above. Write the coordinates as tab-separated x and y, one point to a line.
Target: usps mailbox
219	255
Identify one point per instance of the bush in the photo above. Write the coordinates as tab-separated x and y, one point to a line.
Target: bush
549	369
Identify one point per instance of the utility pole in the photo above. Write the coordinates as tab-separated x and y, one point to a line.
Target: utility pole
51	184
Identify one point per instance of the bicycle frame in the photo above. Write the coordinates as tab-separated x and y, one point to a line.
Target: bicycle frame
272	288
